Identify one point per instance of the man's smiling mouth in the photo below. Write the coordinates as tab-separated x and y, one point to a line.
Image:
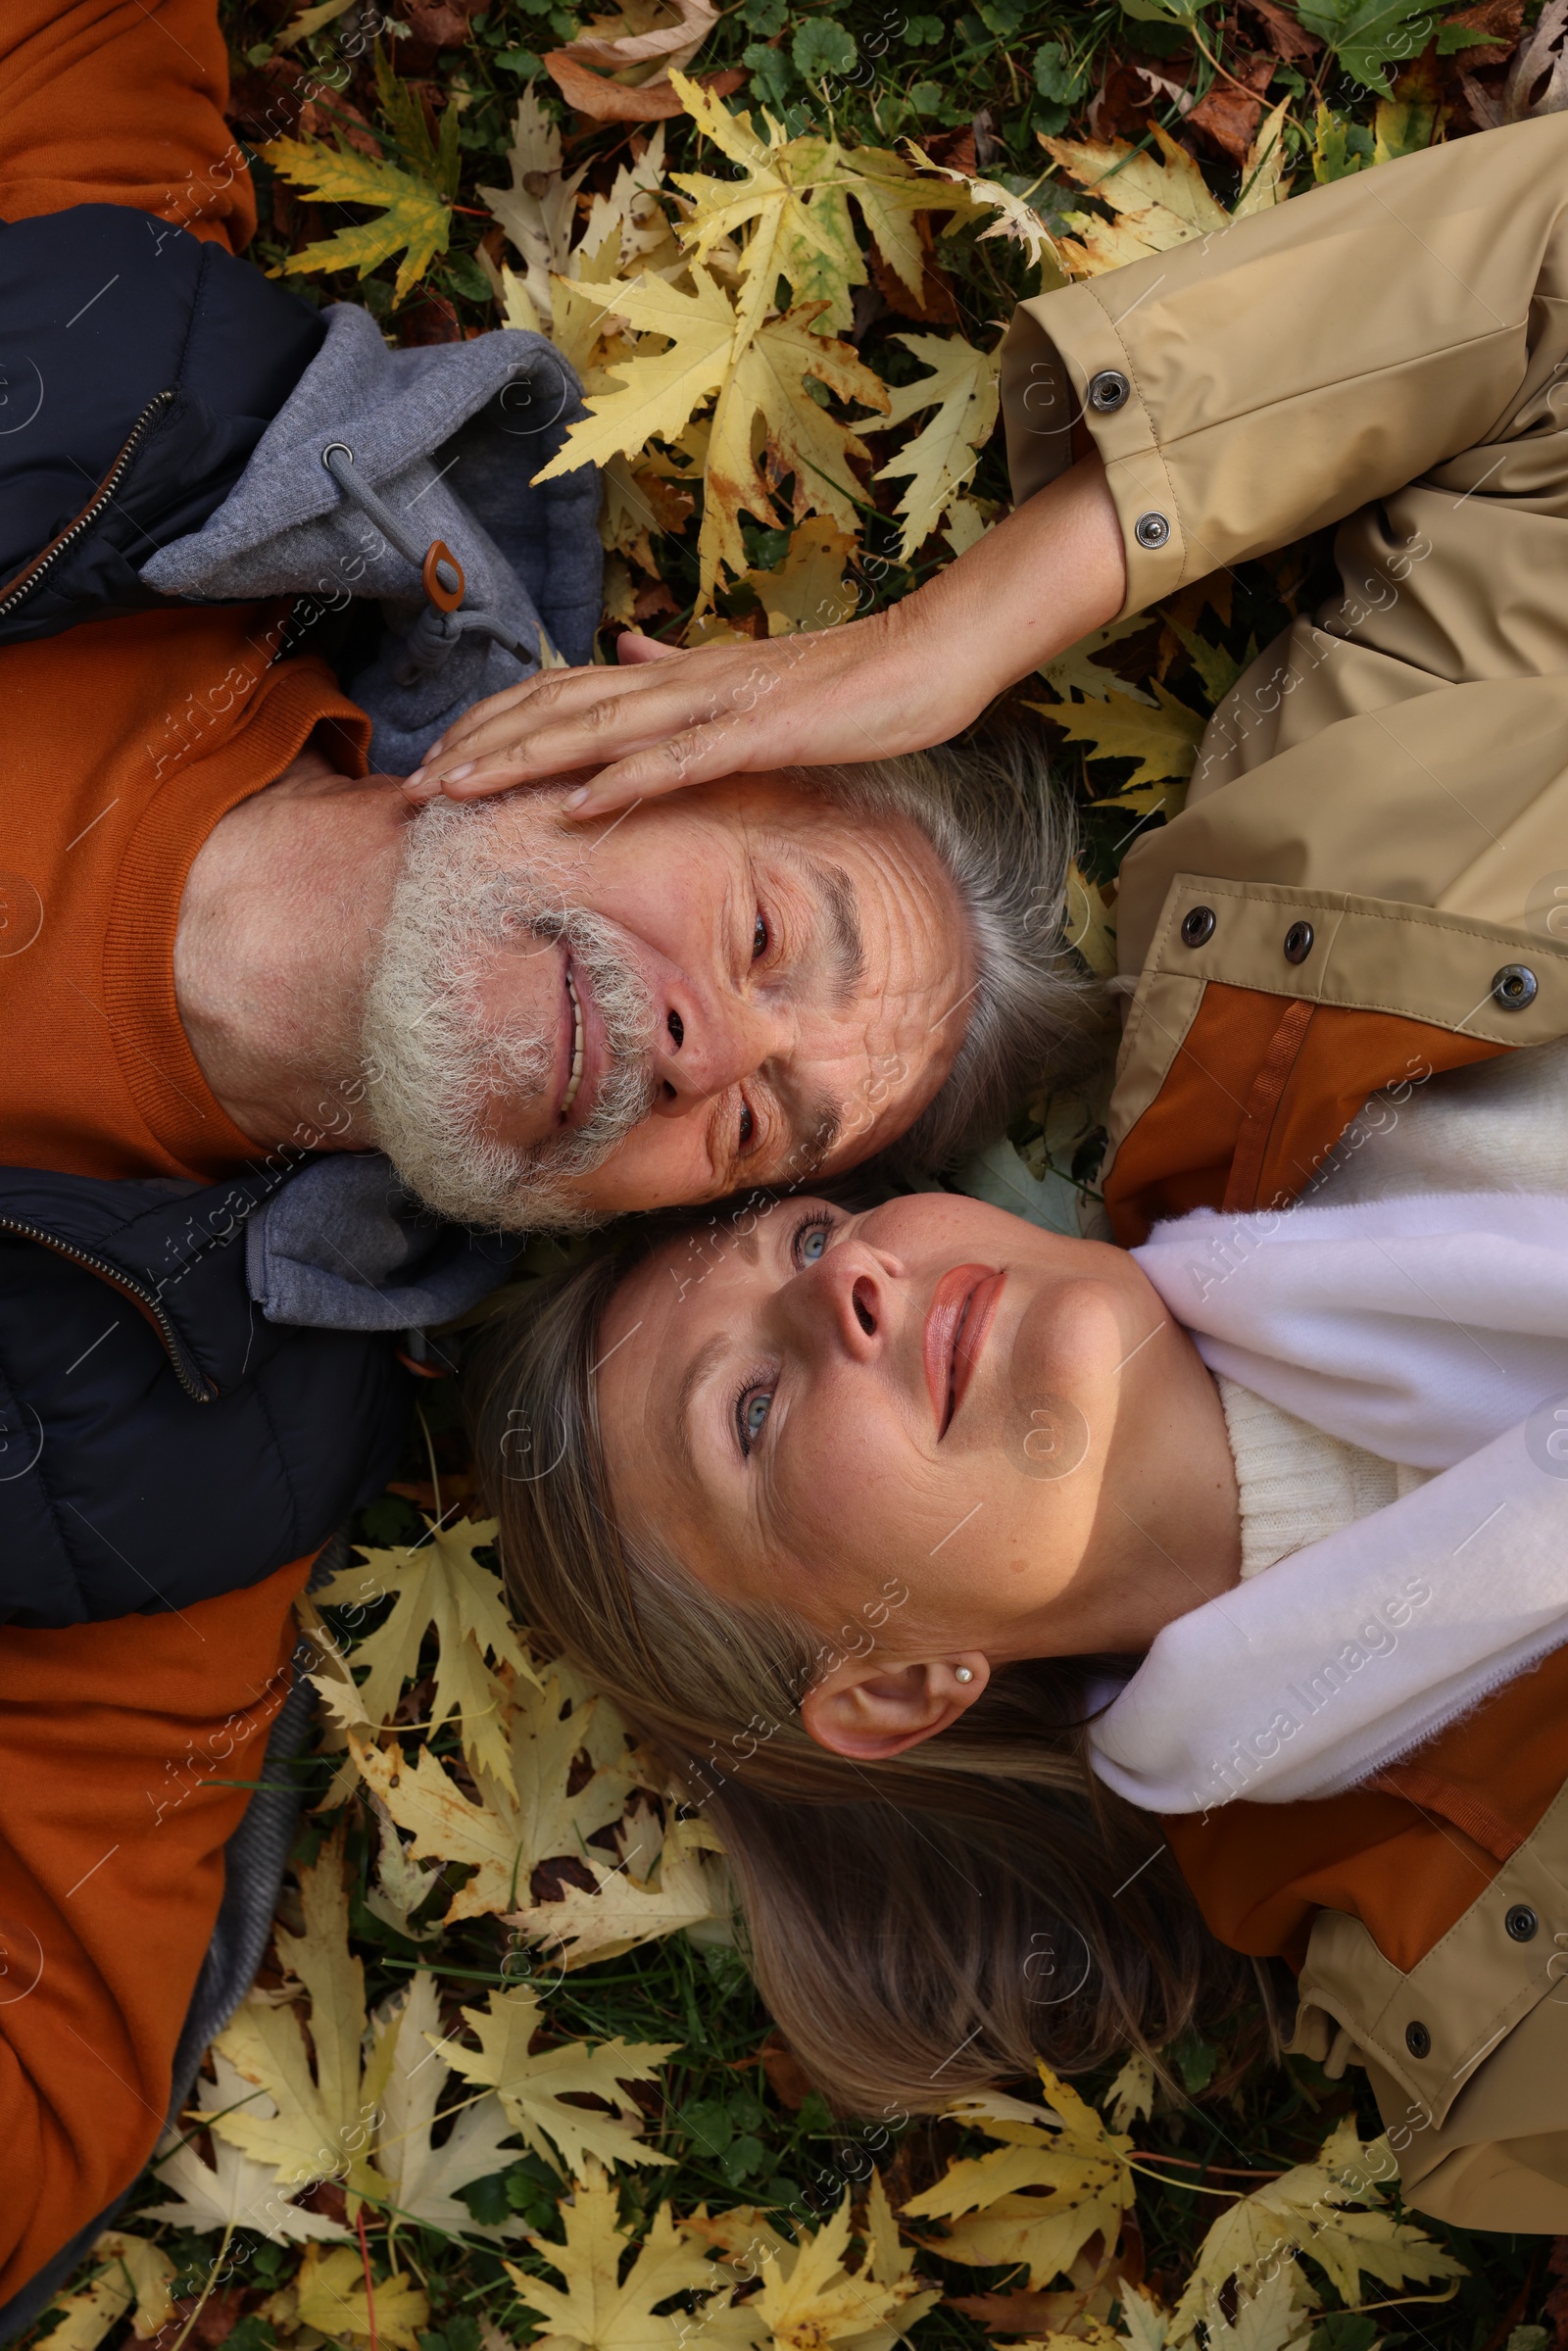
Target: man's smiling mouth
575	1077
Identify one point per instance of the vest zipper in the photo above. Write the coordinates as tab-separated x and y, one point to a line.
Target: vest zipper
195	1387
26	581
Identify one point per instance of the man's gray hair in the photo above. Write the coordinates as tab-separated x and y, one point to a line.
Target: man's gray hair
1004	834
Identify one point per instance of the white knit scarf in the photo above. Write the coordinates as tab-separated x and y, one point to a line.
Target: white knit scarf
1431	1330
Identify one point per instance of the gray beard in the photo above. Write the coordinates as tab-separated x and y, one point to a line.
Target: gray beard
433	1058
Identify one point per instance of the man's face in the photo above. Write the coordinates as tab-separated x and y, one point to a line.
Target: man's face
739	985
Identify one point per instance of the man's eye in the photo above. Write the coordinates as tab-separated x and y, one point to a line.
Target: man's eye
759	938
754	1410
748	1128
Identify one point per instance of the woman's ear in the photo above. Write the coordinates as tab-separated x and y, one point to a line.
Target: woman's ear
869	1711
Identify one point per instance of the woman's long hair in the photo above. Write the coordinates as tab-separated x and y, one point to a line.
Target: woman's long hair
921	1927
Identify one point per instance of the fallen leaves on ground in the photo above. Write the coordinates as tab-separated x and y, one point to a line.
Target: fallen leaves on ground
533	2086
130	2276
531	1815
599	2309
235	2189
360	2101
1329	2211
1163	741
416	220
680	1891
1059	2178
942	457
436	1585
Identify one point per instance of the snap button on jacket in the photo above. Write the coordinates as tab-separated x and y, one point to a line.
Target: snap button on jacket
1363	890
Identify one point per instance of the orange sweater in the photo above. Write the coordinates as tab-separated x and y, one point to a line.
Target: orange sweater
124	743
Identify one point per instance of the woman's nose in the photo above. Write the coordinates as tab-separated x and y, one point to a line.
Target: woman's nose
844	1301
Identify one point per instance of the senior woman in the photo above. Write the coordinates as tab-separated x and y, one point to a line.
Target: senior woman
894	1530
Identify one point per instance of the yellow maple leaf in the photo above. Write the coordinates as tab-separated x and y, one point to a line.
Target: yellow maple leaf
625	1911
1156	203
796	216
129	2274
532	2086
320	2124
405	2078
529	1816
599	2309
943	454
233	2190
330	2296
437	1585
763	373
811	2296
416	220
807	590
1164	741
1263	180
1327	2210
1132	2093
1059	2178
1080	667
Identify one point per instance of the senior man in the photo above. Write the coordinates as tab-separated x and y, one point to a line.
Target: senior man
220	939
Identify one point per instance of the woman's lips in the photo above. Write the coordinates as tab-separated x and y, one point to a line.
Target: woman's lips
956	1322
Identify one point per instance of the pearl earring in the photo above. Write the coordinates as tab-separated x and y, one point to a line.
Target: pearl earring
962	1673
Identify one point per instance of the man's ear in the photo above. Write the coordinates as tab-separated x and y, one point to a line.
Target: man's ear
869	1711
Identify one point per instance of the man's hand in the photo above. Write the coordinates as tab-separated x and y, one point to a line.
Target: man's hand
897	682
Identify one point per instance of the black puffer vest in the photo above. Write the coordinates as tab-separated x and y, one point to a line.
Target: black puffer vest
138	370
160	1442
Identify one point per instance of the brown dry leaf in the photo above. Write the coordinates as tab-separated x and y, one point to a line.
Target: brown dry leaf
1231	115
994	2202
529	1818
606	101
533	2086
643	34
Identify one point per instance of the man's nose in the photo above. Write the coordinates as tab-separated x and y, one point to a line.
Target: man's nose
702	1044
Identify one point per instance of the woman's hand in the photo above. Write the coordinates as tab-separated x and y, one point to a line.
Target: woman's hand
899	680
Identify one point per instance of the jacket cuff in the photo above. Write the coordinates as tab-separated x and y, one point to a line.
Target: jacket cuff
1079	370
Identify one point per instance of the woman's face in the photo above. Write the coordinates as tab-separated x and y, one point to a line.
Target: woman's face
1006	1425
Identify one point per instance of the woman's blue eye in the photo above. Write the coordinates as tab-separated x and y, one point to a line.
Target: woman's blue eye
754	1412
812	1244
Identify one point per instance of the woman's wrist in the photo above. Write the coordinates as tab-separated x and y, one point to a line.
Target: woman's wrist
1043	578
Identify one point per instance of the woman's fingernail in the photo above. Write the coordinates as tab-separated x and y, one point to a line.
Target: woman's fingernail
579	798
417	777
454	776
